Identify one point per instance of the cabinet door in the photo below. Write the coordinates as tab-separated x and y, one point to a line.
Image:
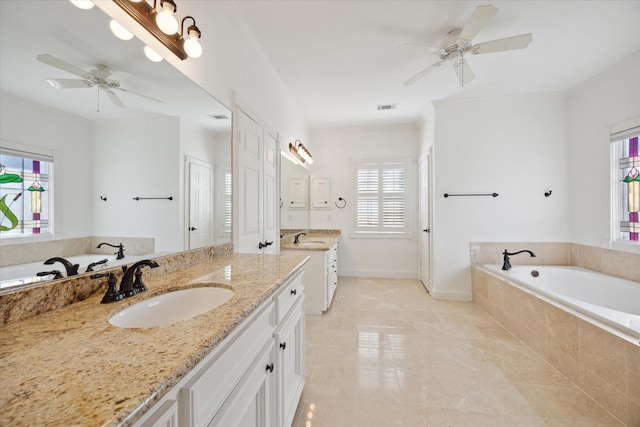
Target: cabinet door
252	403
165	416
297	189
249	215
290	348
320	192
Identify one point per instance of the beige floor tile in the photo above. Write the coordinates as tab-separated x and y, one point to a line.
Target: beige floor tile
387	354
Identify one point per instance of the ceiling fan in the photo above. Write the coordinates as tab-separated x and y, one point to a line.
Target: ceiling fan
94	78
458	43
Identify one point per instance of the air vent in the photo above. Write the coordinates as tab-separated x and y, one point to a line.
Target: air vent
220	117
382	107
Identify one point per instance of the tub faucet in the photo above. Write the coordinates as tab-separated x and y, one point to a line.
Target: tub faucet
129	287
72	269
119	254
506	265
296	238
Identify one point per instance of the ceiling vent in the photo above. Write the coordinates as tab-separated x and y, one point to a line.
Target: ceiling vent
383	107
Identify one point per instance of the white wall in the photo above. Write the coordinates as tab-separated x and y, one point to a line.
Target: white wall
139	158
33	127
608	98
516	147
333	149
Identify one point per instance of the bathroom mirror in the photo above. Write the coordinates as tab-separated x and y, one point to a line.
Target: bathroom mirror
294	190
125	166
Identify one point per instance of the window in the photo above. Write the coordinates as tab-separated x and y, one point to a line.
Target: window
626	185
381	198
25	193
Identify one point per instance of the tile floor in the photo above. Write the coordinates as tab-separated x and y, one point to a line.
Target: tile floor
387	354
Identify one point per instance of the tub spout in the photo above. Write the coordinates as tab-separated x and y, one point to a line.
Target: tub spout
506	264
72	269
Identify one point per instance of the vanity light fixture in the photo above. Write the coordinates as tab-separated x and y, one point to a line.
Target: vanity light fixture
119	31
152	55
301	152
162	24
191	42
83	4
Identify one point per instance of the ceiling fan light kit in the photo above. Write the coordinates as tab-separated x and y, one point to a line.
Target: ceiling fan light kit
458	43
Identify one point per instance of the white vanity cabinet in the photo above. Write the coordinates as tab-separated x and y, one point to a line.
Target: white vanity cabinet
254	377
321	278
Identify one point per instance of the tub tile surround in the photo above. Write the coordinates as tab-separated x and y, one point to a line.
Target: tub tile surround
59	367
604	365
21	253
25	303
608	261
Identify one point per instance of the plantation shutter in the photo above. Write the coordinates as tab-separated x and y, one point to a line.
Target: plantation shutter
381	198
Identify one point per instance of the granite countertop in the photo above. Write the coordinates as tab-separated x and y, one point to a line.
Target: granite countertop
71	367
324	241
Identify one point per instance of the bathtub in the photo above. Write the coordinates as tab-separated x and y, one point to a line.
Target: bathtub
25	274
608	299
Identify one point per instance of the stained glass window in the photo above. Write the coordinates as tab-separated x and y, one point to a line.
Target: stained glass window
25	194
628	189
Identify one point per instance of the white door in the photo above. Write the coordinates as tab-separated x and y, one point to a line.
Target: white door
425	224
270	199
250	191
199	227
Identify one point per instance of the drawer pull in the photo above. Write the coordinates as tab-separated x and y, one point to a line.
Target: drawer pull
270	367
294	291
283	345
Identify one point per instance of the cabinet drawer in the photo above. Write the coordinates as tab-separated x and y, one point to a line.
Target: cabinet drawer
203	396
286	297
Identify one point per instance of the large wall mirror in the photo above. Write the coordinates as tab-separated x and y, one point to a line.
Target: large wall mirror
140	129
294	193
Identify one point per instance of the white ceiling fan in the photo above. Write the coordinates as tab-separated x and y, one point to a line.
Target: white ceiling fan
94	78
458	43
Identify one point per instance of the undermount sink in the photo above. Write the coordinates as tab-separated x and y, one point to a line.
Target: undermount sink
311	243
171	307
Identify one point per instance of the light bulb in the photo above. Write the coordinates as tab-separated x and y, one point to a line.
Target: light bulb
152	55
165	19
119	31
192	45
82	4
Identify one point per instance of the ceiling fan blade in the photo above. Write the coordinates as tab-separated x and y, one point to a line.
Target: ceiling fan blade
136	93
509	43
463	71
115	99
70	83
477	21
423	73
414	47
62	65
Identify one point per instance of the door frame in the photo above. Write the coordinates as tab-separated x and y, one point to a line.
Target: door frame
426	207
188	161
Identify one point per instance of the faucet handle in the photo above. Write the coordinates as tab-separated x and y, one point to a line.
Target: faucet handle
112	294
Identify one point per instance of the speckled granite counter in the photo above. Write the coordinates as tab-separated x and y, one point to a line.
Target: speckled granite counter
71	367
327	237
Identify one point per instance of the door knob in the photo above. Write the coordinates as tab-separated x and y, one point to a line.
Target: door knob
427	230
192	229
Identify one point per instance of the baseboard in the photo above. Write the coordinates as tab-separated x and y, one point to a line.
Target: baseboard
380	274
452	295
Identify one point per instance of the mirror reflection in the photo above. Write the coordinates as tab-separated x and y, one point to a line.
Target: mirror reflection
141	155
294	190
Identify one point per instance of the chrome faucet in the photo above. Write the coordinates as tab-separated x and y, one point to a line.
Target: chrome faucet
506	265
128	286
72	269
296	238
119	254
